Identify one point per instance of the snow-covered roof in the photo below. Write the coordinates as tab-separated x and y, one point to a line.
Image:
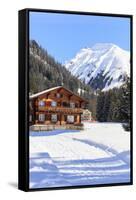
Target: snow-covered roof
51	89
43	92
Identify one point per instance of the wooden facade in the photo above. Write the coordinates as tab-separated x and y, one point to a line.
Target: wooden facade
56	106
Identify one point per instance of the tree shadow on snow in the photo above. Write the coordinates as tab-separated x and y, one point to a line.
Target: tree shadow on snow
51	133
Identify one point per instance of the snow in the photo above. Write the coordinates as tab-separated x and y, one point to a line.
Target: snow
105	58
98	154
45	91
80	90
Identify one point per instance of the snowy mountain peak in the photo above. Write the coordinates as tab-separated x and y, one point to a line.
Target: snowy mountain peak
100	46
104	66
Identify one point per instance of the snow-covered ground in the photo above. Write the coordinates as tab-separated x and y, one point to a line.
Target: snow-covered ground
99	154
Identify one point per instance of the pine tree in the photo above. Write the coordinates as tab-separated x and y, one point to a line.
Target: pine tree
114	105
100	104
125	108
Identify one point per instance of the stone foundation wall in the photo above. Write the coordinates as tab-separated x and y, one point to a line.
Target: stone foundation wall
53	127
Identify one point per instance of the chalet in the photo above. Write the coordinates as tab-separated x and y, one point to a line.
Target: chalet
56	106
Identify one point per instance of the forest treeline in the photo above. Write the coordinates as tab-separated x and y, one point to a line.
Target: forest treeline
114	105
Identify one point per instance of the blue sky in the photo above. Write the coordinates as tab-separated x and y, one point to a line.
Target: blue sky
63	35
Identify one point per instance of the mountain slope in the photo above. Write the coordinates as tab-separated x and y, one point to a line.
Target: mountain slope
45	72
104	66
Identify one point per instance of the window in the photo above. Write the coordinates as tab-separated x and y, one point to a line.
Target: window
41	103
30	118
58	95
70	118
54	118
53	103
41	117
72	105
30	105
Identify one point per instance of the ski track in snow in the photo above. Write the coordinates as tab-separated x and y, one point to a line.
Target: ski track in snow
78	158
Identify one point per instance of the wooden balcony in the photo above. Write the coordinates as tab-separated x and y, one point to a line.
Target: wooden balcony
60	109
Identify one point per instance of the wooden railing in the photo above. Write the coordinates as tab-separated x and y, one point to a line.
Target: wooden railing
60	109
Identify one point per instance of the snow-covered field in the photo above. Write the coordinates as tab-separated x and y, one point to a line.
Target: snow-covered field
99	154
